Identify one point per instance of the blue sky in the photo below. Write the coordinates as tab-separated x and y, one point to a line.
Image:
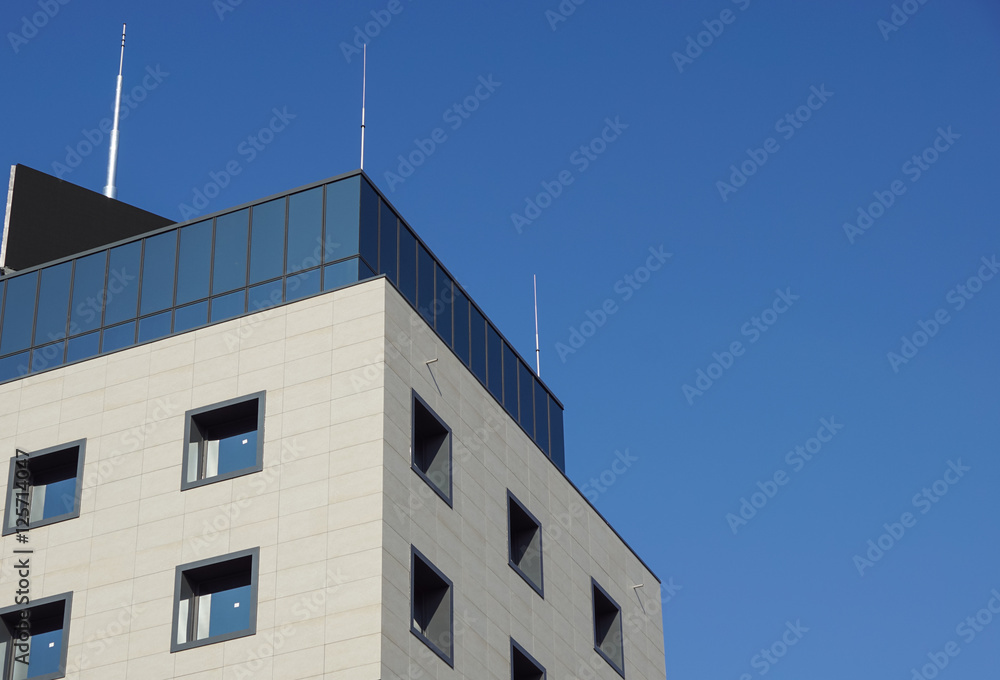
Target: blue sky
864	98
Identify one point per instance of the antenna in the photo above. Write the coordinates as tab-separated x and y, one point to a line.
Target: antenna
364	73
538	352
110	190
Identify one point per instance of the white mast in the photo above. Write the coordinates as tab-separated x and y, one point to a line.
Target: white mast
364	70
538	352
110	190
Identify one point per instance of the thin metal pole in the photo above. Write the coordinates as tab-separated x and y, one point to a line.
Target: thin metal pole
110	190
364	73
538	352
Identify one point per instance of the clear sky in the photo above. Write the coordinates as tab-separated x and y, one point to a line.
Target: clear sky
706	207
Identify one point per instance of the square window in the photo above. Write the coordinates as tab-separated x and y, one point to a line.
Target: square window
215	600
608	629
432	607
35	638
223	441
44	487
524	537
431	448
522	665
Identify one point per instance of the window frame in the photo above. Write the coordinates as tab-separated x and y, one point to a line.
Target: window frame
254	554
7	661
514	646
190	417
537	587
447	498
595	589
11	504
449	656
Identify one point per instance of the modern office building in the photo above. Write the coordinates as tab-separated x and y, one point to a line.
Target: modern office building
282	442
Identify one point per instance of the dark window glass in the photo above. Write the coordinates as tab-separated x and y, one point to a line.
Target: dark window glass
48	356
461	305
153	327
510	363
431	449
158	261
432	603
48	489
477	334
558	447
368	236
123	283
341	219
229	269
265	295
195	262
14	366
608	629
408	264
425	284
305	230
41	647
340	274
53	303
18	313
526	412
192	316
267	240
364	271
88	291
541	417
228	306
215	600
442	305
494	362
118	337
302	285
524	533
83	347
387	242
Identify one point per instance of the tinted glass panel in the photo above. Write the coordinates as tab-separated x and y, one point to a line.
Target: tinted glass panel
387	241
340	274
526	412
18	313
123	283
118	337
461	305
83	347
192	316
477	334
45	653
229	270
49	356
541	417
494	373
229	611
60	496
194	262
228	306
364	271
88	289
425	284
558	450
408	264
302	285
14	367
267	241
53	303
305	230
237	452
368	236
153	327
264	296
442	305
510	363
342	219
158	261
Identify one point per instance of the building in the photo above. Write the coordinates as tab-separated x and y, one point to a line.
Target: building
282	442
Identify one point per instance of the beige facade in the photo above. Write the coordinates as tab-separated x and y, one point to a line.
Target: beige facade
334	511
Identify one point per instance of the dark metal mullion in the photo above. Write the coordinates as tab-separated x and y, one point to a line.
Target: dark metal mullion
246	273
34	318
211	270
138	296
284	253
322	240
104	299
69	310
177	274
